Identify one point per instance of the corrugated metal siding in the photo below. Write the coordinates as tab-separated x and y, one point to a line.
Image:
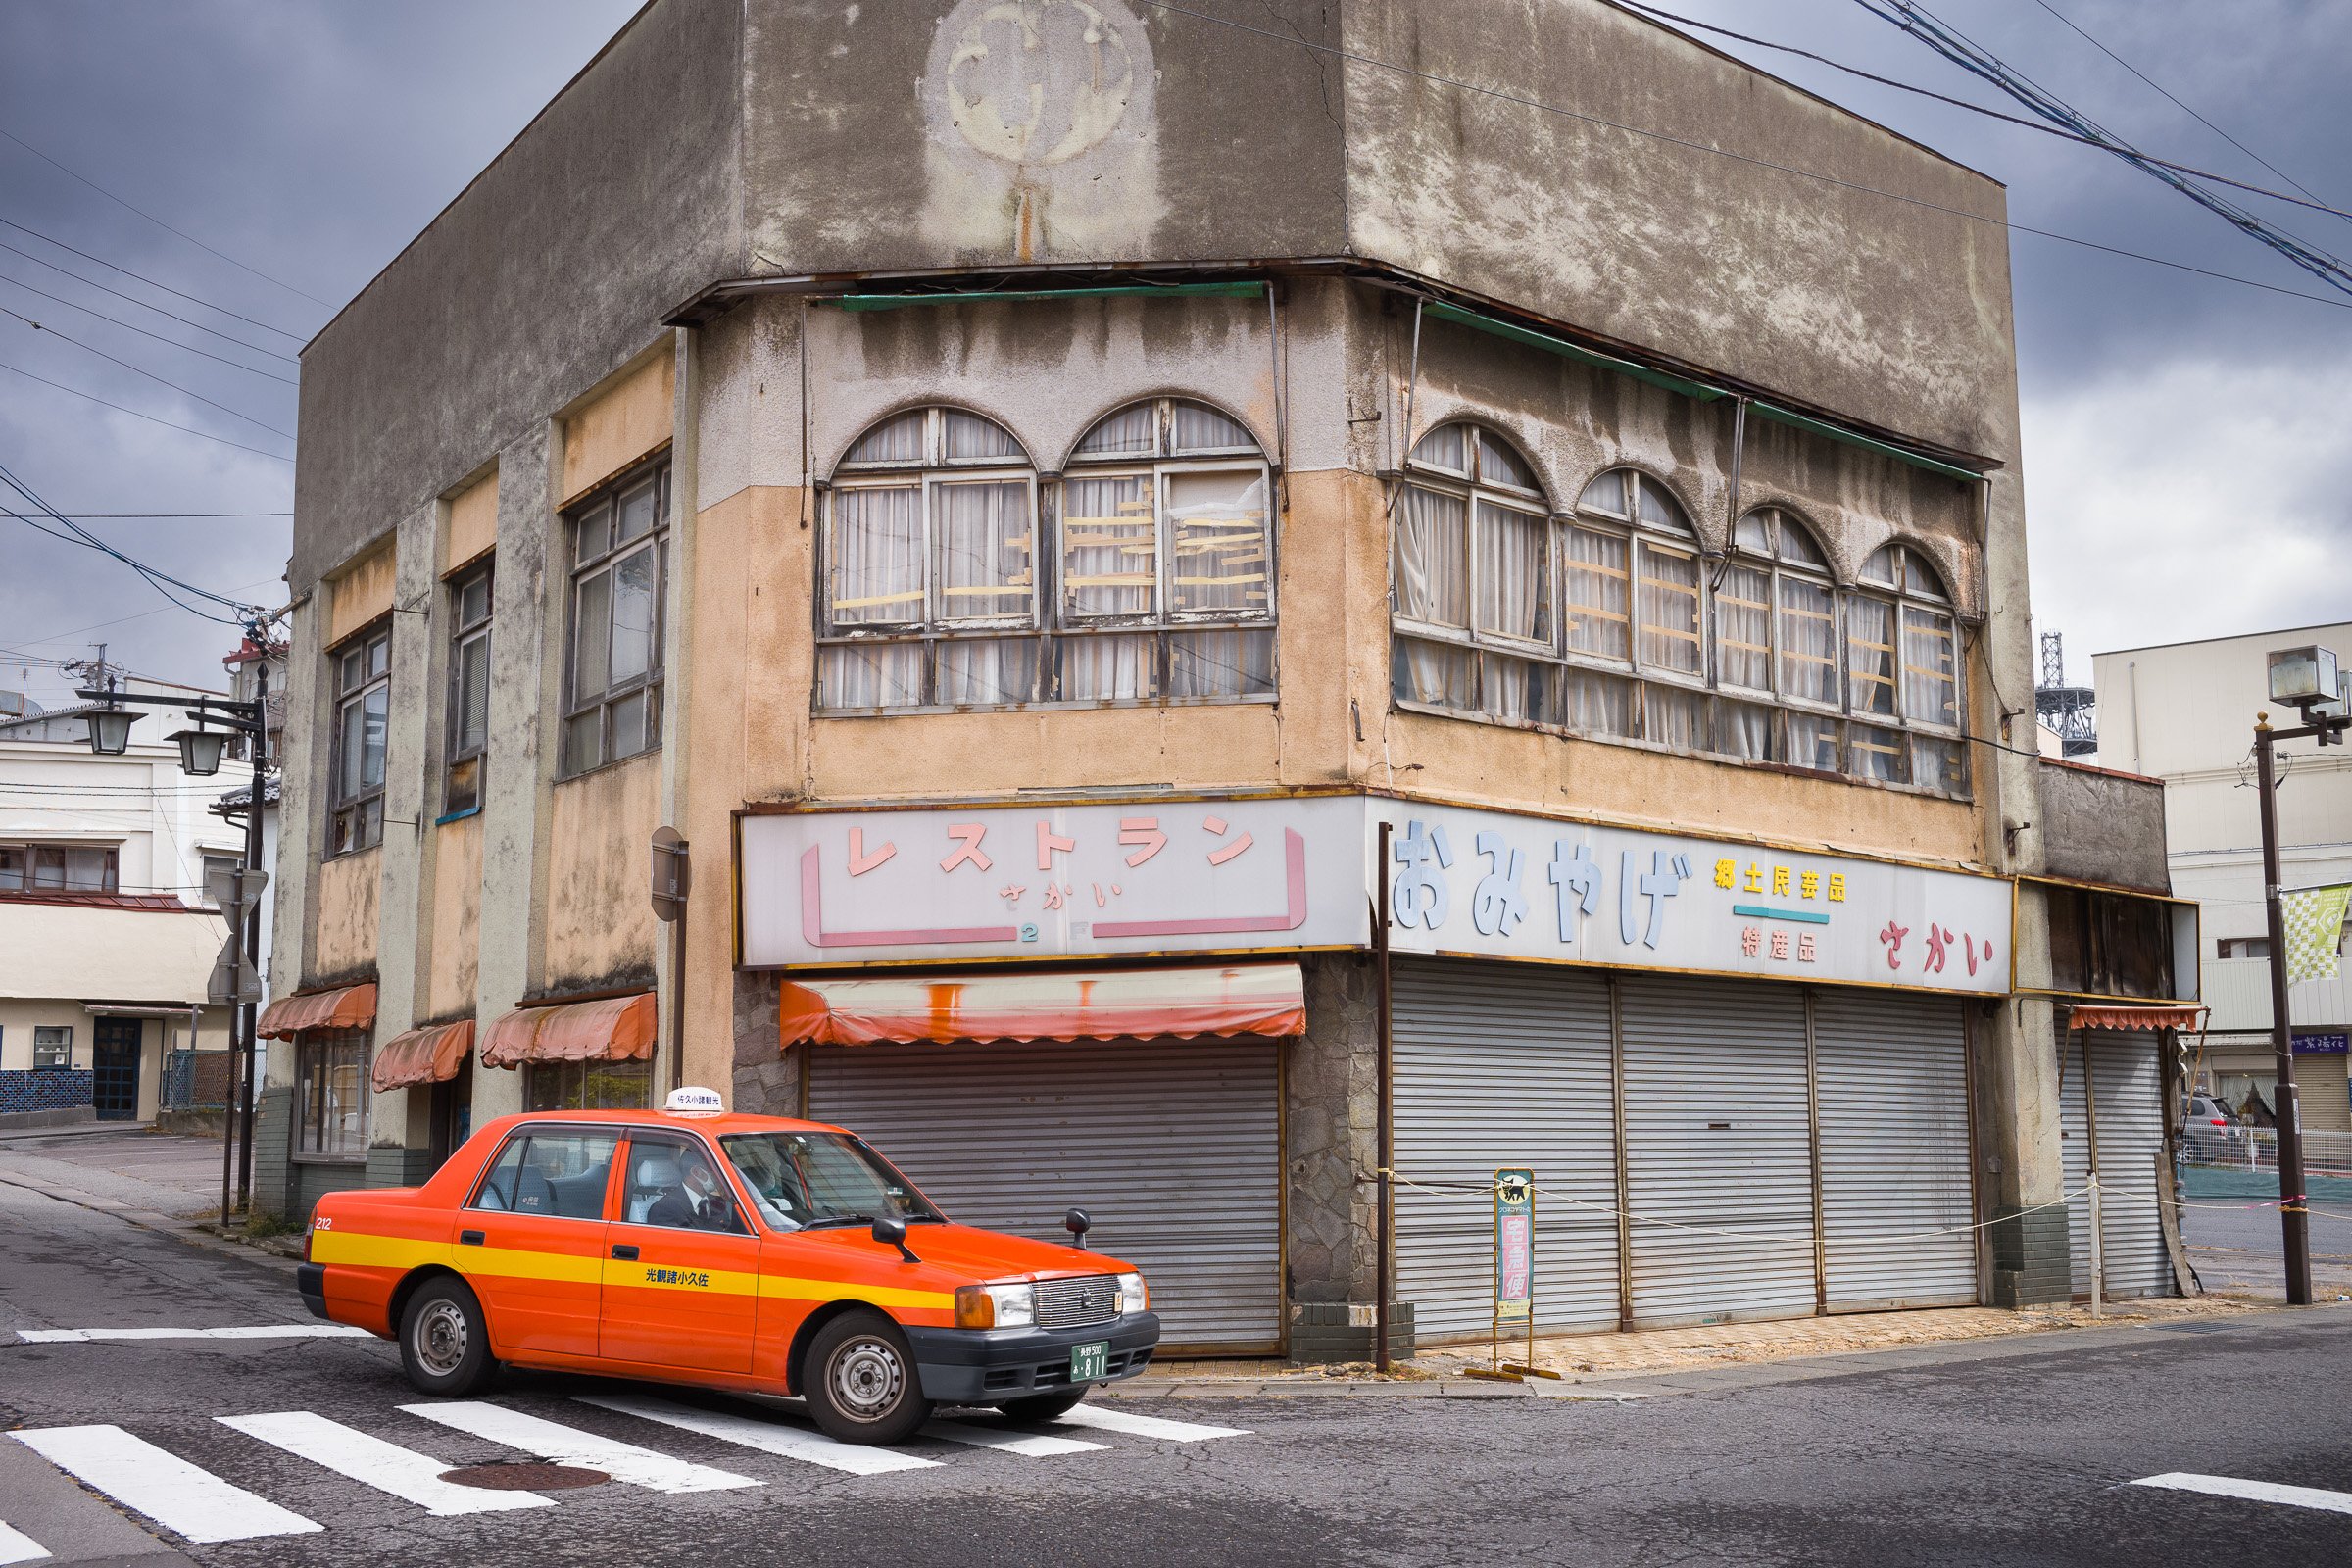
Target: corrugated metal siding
1717	1137
1499	1066
1172	1148
1891	1076
2128	1084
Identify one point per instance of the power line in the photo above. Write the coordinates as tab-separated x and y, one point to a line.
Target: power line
101	625
151	282
133	299
86	544
93	516
2038	127
136	415
189	348
2184	109
159	223
156	578
1741	158
149	374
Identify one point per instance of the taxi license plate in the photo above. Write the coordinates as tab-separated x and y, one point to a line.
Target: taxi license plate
1089	1361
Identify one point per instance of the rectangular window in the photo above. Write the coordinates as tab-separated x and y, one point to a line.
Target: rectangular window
330	1095
1513	573
362	668
1870	655
1669	610
1743	629
468	739
558	1174
1808	626
58	868
587	1085
1595	581
620	572
52	1046
1930	678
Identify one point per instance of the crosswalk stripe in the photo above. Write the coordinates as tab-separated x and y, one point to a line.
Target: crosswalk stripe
562	1444
373	1462
1007	1441
167	1488
260	1331
2252	1490
767	1436
18	1547
1144	1426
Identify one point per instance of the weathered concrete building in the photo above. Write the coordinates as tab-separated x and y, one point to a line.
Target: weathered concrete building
1085	517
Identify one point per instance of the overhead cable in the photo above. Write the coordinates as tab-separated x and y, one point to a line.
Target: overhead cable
159	223
1932	31
1499	95
149	374
185	348
112	267
245	614
91	282
188	429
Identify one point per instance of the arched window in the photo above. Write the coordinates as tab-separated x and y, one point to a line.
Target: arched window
1472	592
929	573
1167	568
1903	674
1776	638
1632	582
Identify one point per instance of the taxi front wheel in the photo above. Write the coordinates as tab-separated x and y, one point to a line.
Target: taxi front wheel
444	1341
861	1384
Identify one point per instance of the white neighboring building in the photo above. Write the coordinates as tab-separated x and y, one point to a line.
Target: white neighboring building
2185	713
105	936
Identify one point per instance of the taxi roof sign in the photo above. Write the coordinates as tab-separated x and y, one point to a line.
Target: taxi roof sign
694	1101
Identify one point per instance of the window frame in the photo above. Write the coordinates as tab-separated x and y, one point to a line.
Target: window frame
66	1062
581	571
30	854
537	1072
1901	593
355	815
464	635
318	1053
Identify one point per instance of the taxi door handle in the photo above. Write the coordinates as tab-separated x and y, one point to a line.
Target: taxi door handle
625	1250
470	1238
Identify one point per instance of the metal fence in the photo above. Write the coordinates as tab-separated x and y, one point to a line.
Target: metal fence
2243	1162
195	1080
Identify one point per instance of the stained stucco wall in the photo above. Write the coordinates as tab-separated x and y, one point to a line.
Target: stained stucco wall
343	936
599	923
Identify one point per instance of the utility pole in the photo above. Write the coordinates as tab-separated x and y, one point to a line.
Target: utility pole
2294	1216
247	1015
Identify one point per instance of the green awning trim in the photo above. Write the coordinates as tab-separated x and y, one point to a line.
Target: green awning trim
1567	350
893	302
1855	438
1696	390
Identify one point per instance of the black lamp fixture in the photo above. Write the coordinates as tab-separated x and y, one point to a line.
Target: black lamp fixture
200	750
110	730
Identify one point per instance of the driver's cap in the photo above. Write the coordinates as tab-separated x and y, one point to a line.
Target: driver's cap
694	1101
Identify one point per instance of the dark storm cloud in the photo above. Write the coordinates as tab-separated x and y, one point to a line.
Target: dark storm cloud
2182	452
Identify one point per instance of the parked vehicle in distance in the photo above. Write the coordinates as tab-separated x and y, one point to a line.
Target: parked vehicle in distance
751	1253
2211	1134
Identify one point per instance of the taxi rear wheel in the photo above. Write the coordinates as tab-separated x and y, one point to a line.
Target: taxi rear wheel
862	1384
444	1339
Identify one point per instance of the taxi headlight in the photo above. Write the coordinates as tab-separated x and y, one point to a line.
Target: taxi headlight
996	1306
1133	1298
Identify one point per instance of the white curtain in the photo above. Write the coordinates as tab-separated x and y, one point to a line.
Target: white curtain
1596	705
1197	427
1743	629
1938	763
1870	654
1447	446
1595	586
1813	741
1515	573
1744	730
1235	663
1432	580
1931	680
1217	543
1669	603
984	531
1133	431
1109	546
1881	754
1434	674
1675	718
1808	641
987	670
877	565
870	675
1107	668
899	439
968	438
1512	688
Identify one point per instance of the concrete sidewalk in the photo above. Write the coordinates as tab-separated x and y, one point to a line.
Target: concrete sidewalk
118	1167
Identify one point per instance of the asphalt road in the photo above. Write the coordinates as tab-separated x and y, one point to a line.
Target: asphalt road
2011	1452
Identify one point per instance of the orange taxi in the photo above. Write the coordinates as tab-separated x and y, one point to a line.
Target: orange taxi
753	1253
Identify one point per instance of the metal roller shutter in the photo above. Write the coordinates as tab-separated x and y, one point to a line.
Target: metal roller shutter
1499	1067
2127	1099
1717	1137
1173	1148
1891	1084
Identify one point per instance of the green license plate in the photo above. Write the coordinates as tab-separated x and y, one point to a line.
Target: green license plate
1089	1361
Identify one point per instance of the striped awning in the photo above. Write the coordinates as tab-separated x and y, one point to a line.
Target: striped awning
2164	1016
346	1007
608	1029
422	1056
1259	999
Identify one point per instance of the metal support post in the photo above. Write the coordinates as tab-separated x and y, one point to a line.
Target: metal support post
1385	1195
2293	1217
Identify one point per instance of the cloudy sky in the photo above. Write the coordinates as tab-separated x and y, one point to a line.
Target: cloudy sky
2187	464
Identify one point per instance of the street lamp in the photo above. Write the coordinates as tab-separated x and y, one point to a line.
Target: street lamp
110	730
2307	679
200	750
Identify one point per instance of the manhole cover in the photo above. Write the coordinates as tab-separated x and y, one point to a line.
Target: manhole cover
524	1476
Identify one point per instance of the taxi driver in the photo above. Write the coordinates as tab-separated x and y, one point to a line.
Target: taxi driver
700	1203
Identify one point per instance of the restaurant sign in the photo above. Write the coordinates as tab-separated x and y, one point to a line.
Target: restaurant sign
1250	875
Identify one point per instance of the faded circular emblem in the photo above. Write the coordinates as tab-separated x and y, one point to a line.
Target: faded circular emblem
1040	81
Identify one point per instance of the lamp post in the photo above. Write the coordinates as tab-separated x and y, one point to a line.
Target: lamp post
2307	679
200	751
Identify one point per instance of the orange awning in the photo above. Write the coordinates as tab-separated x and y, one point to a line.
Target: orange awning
422	1056
348	1007
612	1029
2164	1016
1259	999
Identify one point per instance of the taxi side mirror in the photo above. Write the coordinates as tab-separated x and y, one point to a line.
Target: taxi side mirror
1077	1224
890	1230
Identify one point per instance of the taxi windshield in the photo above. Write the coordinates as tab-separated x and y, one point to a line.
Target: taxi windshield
813	1181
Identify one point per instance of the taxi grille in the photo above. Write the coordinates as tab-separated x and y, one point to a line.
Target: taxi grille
1074	1304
